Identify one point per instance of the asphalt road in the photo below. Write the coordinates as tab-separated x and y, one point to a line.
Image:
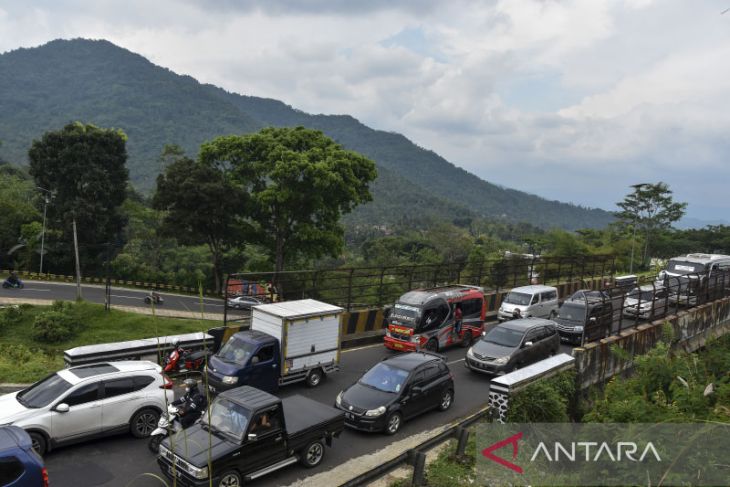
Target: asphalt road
119	296
125	461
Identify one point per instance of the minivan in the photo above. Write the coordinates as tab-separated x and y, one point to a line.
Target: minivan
529	301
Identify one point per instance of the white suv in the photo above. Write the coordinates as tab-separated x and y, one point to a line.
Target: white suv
89	401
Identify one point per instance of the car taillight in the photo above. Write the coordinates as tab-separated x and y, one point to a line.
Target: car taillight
166	383
44	473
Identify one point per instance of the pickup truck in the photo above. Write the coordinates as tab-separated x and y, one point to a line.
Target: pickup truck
250	433
288	342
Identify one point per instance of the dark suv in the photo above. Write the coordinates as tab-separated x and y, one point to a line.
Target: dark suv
586	316
20	465
397	389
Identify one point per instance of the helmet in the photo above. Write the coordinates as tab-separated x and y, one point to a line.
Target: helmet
176	343
191	384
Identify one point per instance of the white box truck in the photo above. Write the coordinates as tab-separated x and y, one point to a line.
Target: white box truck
290	341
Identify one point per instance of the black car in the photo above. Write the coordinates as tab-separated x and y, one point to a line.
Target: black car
397	389
512	345
586	316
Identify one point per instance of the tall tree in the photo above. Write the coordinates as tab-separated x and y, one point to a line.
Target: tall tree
17	198
201	206
300	183
84	166
650	208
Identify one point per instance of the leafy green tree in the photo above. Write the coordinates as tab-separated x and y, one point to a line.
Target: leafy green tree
201	206
84	166
300	183
16	209
651	209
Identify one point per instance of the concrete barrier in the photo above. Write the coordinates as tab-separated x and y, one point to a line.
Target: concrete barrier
596	362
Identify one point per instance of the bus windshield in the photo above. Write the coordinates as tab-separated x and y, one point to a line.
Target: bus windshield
682	267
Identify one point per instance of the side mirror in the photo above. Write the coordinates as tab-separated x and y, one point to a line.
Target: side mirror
252	437
255	359
416	390
61	408
528	344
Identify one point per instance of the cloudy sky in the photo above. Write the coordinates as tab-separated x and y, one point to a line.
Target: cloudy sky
573	100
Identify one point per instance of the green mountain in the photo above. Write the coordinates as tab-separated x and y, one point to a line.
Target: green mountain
97	82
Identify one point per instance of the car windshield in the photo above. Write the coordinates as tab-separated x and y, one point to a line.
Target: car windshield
504	336
385	378
643	295
237	351
572	312
682	267
518	298
407	315
228	417
44	392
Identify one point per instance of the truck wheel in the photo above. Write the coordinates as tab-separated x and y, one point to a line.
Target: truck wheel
467	339
230	478
392	425
314	377
144	422
313	454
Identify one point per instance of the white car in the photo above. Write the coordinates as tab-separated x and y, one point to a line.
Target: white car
244	302
89	401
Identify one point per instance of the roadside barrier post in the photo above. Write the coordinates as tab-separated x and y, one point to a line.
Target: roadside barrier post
463	435
419	469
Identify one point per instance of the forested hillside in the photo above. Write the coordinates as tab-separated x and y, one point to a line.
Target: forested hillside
97	82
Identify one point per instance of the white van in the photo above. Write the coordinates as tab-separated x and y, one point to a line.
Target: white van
522	302
690	275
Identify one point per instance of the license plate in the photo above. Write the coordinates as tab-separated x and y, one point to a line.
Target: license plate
174	473
397	345
211	388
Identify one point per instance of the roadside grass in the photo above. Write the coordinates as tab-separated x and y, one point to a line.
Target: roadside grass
25	360
447	470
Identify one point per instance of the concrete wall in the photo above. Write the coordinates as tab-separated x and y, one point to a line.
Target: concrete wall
596	363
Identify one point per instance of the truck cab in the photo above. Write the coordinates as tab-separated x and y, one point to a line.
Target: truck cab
291	341
247	434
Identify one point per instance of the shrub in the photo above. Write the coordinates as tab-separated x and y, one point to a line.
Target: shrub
52	327
21	364
545	401
10	315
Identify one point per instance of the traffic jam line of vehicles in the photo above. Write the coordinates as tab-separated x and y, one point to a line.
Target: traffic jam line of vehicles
255	432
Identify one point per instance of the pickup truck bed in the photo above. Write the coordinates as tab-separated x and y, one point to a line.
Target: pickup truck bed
307	419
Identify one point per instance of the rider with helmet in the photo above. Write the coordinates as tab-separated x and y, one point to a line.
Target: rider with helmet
192	405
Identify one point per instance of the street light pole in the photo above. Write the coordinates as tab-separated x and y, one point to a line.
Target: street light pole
636	187
46	200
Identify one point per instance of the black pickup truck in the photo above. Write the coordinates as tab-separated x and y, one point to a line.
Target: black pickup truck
248	434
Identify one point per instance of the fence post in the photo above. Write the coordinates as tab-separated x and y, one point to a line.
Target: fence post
349	289
419	469
560	262
380	286
463	435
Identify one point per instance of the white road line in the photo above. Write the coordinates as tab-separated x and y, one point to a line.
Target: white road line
124	297
39	290
455	361
362	348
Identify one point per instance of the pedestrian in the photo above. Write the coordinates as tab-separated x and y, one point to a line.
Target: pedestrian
457	319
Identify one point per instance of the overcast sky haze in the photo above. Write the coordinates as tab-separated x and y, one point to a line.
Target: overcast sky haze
571	100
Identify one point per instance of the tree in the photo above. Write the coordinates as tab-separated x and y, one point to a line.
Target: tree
300	182
84	166
16	209
202	206
651	209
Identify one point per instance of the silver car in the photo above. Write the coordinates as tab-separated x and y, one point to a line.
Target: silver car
646	302
89	401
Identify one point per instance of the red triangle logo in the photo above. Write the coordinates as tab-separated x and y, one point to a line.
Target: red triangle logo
487	452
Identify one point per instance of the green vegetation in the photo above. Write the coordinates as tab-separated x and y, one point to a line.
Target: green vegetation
447	470
546	401
87	324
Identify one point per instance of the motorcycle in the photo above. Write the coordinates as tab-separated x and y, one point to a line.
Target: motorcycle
18	284
154	298
181	360
168	424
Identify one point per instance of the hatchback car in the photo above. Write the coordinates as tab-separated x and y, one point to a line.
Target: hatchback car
244	302
20	465
395	390
512	345
88	401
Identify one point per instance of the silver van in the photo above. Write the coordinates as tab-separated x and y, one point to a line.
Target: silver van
526	301
690	275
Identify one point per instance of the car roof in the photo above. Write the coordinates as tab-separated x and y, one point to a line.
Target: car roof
411	360
419	297
78	374
525	323
13	437
254	335
700	258
250	397
533	288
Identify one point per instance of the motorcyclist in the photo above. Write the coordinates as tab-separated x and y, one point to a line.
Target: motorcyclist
13	278
155	296
192	405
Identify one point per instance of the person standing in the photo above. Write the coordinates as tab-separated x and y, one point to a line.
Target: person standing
457	319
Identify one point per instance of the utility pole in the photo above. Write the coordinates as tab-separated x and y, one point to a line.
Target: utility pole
78	266
46	199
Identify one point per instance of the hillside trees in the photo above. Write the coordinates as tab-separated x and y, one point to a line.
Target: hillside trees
84	167
297	183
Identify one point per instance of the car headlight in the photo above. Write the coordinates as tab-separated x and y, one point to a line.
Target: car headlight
229	379
163	451
501	360
375	412
578	328
199	473
338	401
470	352
501	308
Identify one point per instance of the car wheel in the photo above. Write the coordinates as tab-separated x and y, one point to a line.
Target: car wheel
393	423
314	377
230	478
144	422
432	345
313	454
467	339
447	398
39	442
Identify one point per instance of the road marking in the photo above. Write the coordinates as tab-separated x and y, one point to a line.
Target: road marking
124	297
362	348
39	290
455	361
